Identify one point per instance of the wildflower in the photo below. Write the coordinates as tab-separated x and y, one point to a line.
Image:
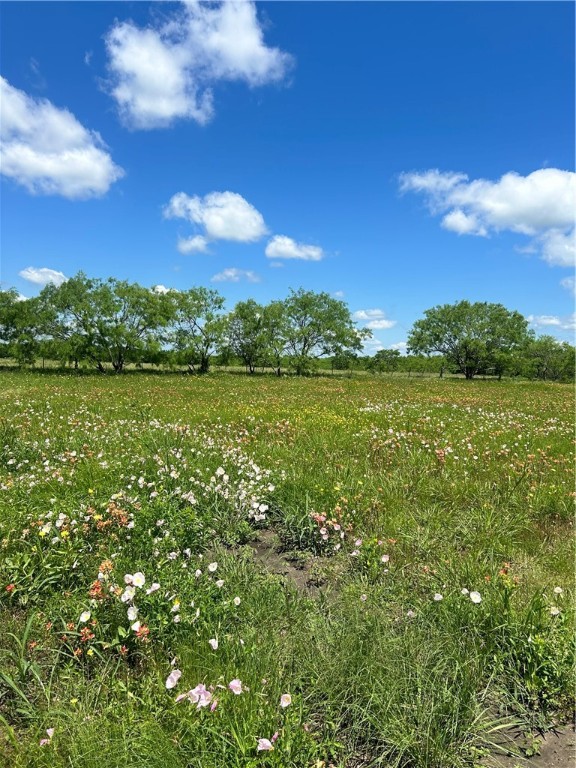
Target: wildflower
285	700
264	745
132	613
363	598
176	619
475	597
410	614
275	737
154	588
173	678
142	633
554	611
220	583
464	591
198	573
237	601
235	686
128	578
557	590
438	597
214	705
200	696
84	616
128	594
212	567
10	588
138	579
385	558
136	626
213	643
50	733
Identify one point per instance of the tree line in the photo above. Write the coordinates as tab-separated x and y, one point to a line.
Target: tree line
108	324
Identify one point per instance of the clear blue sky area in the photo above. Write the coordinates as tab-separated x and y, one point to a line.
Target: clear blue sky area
397	154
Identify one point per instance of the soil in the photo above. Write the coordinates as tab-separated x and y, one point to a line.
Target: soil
297	572
556	749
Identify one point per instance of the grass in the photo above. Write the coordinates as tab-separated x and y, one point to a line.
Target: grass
399	498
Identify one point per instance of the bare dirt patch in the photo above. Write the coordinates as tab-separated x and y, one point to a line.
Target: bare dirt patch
298	572
557	749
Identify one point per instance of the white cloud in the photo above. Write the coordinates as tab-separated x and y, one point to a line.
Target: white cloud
276	264
463	223
196	244
161	289
234	275
338	294
559	248
43	276
167	70
553	321
401	346
569	283
379	325
46	149
541	205
375	319
223	215
282	247
368	314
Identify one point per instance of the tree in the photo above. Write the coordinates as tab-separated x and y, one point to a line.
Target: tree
473	337
384	360
548	358
316	325
19	327
199	326
247	333
105	321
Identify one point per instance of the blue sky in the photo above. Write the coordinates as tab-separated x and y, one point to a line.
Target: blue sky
399	155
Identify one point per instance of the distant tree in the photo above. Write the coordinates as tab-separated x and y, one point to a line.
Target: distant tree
198	329
19	327
384	360
109	321
548	358
472	337
247	333
316	325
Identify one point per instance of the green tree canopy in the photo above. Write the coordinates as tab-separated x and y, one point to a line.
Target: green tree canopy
316	324
472	337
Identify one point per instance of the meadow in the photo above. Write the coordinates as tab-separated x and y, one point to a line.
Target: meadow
231	571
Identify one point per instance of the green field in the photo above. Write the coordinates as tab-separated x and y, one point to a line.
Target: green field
393	557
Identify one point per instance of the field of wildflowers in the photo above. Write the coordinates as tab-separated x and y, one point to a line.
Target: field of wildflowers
431	522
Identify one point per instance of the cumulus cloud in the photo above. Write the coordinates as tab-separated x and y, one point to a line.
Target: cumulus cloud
167	70
553	321
559	248
43	276
375	319
401	346
47	151
222	215
282	247
541	205
234	275
379	325
196	244
161	289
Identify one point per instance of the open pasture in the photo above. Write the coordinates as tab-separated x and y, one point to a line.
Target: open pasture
232	571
